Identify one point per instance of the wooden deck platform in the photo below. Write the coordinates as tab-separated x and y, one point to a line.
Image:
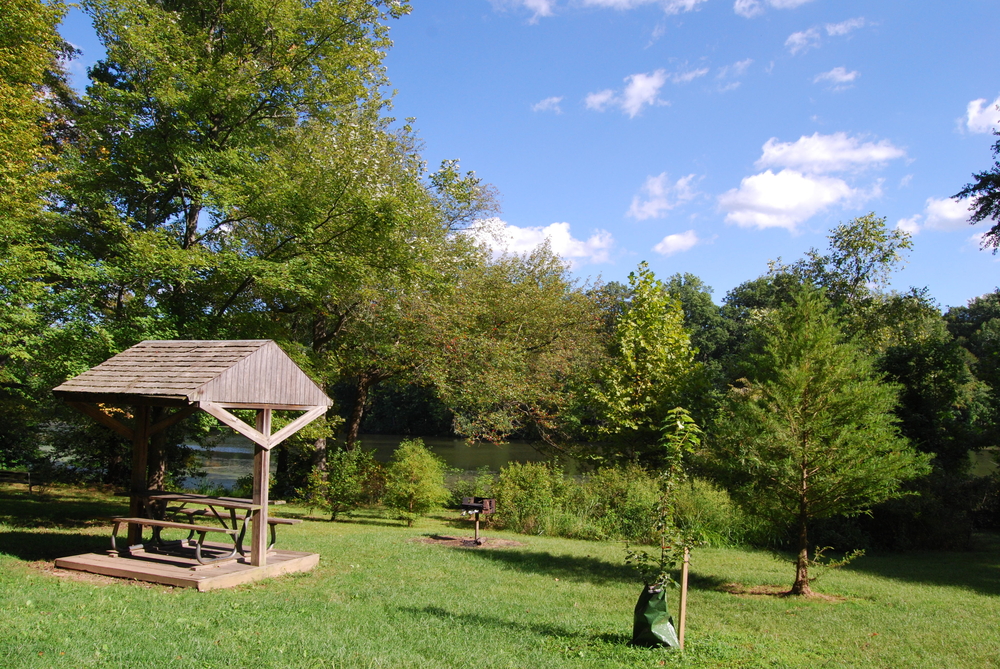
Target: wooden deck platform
185	572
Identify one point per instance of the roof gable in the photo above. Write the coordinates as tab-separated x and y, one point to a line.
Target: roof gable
253	372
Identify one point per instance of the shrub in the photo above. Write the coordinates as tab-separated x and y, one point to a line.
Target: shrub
346	483
623	502
414	481
707	512
527	496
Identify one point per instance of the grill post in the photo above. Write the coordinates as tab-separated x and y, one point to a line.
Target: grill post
478	505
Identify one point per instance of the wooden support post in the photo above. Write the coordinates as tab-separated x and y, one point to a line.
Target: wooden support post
684	596
140	450
261	482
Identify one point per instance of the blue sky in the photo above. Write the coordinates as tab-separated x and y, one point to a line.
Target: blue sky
708	136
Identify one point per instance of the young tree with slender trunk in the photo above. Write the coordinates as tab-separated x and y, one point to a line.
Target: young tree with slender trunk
810	433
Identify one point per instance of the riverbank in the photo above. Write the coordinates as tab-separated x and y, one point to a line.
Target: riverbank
232	457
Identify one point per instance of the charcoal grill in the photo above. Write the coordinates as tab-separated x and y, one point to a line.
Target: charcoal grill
476	506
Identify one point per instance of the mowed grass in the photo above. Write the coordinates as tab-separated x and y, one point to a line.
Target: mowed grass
382	598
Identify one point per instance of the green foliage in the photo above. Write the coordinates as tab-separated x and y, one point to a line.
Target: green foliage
650	362
810	434
985	194
528	494
347	482
514	339
681	436
414	481
613	503
621	502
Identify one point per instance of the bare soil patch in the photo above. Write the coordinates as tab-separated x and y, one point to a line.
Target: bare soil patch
468	542
775	591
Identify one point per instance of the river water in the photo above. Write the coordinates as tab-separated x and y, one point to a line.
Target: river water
232	457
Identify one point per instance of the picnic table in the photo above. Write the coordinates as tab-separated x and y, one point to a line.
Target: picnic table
164	508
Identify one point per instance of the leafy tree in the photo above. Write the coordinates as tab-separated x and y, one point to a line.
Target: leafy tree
31	76
703	319
511	339
943	409
649	364
810	433
414	481
985	194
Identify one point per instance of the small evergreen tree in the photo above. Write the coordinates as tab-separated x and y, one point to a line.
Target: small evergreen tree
414	481
811	434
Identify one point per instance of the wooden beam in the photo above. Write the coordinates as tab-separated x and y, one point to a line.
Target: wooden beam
119	399
261	486
173	418
104	419
273	407
232	421
296	425
140	448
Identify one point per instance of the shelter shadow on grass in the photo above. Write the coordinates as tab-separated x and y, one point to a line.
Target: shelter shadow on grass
568	567
31	546
55	510
479	621
977	570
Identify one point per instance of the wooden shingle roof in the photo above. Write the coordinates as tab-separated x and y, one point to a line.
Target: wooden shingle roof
252	373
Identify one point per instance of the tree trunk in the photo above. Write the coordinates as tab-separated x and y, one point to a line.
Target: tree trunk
801	585
319	455
358	411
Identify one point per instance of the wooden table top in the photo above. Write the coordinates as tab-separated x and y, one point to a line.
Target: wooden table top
192	498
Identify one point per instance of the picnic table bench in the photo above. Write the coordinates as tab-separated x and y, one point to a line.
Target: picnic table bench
161	504
24	478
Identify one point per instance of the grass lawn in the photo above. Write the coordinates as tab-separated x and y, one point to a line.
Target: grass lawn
383	598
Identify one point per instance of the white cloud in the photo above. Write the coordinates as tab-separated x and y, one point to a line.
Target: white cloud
785	199
838	77
748	8
540	8
660	196
669	6
844	27
982	117
601	100
803	188
677	243
690	75
803	41
946	214
641	90
501	236
751	8
827	153
943	214
786	4
910	225
548	104
734	71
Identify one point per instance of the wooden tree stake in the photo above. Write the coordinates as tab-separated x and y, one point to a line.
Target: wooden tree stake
684	596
